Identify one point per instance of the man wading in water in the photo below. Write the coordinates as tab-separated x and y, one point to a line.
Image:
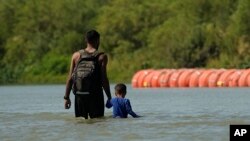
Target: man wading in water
87	77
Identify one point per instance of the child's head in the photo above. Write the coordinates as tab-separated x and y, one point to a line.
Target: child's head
120	90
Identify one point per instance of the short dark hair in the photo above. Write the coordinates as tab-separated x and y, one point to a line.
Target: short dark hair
120	88
92	36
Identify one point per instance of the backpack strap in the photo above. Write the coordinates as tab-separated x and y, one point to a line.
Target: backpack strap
90	56
97	54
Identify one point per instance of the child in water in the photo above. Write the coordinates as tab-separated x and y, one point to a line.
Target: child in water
121	105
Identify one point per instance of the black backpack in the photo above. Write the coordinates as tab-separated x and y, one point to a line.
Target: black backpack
84	74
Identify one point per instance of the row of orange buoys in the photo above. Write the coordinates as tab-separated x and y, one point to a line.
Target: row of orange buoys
191	78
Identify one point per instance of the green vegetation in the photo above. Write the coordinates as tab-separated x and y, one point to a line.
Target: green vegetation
37	38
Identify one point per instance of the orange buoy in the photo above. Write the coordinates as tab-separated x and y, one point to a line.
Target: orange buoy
173	80
224	78
135	78
194	78
242	82
212	79
233	79
191	78
184	78
164	79
155	79
203	79
142	77
147	79
248	80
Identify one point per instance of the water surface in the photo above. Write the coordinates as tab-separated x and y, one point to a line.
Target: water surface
36	113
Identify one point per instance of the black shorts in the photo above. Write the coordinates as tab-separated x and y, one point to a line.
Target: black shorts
91	105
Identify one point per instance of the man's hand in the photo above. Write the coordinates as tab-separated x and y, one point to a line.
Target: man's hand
67	104
108	104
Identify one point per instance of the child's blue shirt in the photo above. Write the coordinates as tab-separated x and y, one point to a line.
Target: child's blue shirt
122	107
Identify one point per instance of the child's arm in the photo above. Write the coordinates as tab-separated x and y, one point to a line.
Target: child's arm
129	109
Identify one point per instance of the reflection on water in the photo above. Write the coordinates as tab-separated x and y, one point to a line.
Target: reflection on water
36	113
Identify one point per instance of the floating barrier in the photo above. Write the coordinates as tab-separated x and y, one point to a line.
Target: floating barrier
224	78
155	81
173	78
194	78
213	78
183	80
138	79
164	79
244	79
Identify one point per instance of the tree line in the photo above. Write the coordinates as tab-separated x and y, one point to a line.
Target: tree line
37	38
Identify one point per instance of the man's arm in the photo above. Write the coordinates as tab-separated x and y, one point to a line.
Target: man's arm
69	81
103	59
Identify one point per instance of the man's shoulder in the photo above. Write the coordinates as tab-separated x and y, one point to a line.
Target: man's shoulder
76	54
102	55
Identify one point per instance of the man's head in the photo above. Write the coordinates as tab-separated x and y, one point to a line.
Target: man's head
120	89
93	38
